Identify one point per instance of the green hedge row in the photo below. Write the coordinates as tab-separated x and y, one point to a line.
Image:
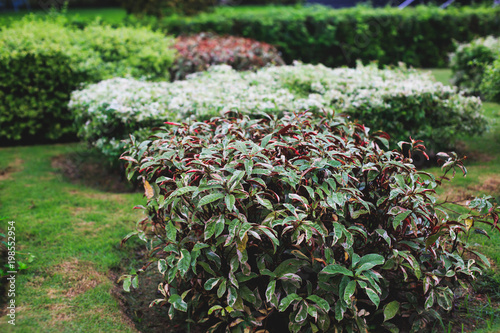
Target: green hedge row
421	36
42	62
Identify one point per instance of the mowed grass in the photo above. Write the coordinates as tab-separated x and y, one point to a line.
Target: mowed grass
108	15
74	232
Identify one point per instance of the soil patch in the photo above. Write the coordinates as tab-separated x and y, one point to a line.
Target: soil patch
135	304
15	166
89	170
489	184
78	277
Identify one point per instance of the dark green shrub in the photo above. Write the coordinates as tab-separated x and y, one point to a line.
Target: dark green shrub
470	61
42	62
490	86
302	222
421	36
160	8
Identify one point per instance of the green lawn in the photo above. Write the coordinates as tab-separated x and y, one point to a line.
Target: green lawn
108	15
74	232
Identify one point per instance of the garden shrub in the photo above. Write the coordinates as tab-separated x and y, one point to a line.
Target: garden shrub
421	36
198	52
470	61
401	102
302	221
490	86
42	62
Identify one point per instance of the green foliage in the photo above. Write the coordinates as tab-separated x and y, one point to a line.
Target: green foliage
490	86
470	61
160	8
421	36
302	220
41	62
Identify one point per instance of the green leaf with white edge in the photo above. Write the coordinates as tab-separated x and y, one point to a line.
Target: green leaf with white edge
230	200
182	191
322	303
232	296
270	290
209	228
214	308
373	258
162	266
127	283
135	282
184	262
429	302
336	269
364	268
265	140
391	310
312	311
373	296
222	288
199	246
285	302
219	225
301	313
178	302
235	179
211	283
264	202
349	291
399	218
210	198
171	231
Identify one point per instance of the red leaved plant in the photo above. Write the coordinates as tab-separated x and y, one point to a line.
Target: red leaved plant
303	221
198	52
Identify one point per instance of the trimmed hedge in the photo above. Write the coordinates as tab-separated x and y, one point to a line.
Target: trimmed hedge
401	102
41	62
470	61
162	8
421	36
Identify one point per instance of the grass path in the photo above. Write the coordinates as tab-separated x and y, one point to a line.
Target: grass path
74	233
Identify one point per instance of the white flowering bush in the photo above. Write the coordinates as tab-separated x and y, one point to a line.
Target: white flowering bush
399	101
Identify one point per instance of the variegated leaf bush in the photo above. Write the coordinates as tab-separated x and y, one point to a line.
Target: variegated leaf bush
400	101
301	222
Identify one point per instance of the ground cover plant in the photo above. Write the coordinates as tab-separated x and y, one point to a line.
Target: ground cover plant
401	102
301	220
42	61
197	53
472	61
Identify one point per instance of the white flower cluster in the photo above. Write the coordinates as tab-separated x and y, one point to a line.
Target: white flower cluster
271	89
490	42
